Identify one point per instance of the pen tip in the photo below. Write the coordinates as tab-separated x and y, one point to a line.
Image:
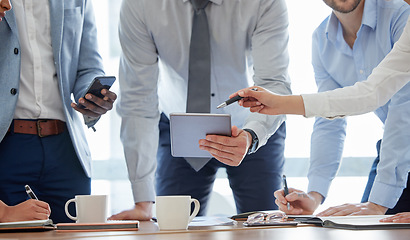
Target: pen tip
220	105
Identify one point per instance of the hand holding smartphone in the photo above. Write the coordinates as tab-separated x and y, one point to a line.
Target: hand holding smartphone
98	84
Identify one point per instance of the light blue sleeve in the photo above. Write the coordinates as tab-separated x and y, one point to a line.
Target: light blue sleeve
138	102
328	136
89	62
394	165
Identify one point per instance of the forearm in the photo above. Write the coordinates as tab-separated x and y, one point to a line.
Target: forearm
292	104
3	208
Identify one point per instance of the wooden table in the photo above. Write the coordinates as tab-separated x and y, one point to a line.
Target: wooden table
150	231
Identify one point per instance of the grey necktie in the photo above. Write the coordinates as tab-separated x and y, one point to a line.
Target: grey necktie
199	76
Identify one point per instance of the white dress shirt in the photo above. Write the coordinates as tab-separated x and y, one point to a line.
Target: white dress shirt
39	96
248	39
387	79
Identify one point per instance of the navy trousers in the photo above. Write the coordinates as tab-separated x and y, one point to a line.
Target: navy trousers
403	205
253	182
49	165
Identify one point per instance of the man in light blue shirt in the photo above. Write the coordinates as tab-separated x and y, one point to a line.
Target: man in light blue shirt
346	47
247	38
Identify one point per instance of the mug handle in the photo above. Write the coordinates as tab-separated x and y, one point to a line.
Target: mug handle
196	209
66	210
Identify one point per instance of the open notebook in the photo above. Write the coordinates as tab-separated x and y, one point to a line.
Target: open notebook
363	222
37	225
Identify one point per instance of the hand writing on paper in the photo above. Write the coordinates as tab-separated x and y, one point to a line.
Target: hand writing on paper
25	211
300	202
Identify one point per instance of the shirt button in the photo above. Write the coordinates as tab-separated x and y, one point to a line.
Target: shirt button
213	94
361	71
16	51
13	91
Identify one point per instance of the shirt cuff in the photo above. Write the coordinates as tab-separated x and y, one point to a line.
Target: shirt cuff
320	185
385	195
259	130
143	191
314	105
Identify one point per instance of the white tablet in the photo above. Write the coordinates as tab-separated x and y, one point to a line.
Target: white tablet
188	128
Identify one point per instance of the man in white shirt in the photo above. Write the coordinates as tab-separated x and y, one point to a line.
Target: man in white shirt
246	38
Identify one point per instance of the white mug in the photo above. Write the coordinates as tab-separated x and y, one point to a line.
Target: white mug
174	212
89	208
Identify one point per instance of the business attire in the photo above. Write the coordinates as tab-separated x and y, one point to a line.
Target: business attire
246	38
48	53
337	65
386	79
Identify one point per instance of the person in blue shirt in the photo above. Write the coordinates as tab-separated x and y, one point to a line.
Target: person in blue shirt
346	47
391	75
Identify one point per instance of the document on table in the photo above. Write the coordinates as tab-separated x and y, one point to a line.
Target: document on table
362	222
205	221
36	225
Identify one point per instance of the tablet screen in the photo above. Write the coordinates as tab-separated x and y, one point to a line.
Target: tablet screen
188	128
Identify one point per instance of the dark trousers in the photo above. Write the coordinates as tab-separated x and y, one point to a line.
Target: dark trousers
49	165
253	182
403	205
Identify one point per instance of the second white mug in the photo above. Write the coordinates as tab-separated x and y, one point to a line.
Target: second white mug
174	212
89	208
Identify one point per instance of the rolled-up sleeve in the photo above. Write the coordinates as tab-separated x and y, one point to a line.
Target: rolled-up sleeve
138	100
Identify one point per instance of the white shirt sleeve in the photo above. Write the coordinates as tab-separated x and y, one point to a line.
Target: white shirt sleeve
386	79
138	102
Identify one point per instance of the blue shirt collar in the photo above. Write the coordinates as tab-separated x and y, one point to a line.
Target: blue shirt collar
369	19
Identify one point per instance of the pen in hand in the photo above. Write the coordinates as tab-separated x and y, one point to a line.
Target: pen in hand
30	192
232	100
285	189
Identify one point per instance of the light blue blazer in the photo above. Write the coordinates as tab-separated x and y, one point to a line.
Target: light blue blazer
76	59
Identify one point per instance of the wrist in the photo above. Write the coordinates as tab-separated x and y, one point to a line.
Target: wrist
254	143
317	198
379	208
145	208
293	105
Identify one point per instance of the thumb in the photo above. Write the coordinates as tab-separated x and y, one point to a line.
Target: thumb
235	131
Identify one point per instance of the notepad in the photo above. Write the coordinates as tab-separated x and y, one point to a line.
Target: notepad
36	225
206	221
108	226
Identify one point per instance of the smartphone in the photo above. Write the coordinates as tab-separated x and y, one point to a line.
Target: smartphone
98	84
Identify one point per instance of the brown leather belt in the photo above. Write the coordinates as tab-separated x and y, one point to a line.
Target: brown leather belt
42	128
